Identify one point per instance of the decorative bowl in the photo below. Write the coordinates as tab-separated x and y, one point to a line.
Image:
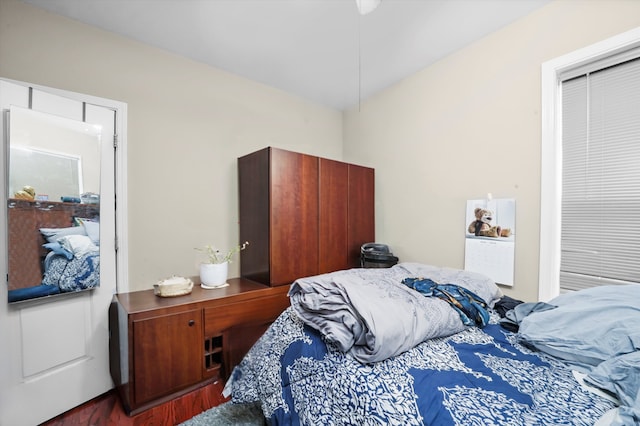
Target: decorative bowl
174	286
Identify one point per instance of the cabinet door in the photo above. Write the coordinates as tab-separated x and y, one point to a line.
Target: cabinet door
253	203
361	210
167	354
294	216
333	220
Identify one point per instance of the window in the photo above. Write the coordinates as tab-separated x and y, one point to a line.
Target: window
557	77
600	238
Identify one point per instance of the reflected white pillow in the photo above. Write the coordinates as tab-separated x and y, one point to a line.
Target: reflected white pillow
92	229
77	244
54	234
58	249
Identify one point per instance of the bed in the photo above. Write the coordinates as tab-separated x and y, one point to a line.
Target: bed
73	266
365	347
72	262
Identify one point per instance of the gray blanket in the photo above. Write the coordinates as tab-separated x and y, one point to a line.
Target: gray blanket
372	315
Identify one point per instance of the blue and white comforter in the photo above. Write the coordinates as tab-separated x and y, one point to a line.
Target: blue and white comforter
359	348
81	272
475	377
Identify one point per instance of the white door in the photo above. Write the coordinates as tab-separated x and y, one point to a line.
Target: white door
54	352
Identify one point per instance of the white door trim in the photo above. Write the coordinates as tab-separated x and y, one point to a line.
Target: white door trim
551	152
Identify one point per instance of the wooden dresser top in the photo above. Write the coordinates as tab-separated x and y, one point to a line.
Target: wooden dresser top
239	289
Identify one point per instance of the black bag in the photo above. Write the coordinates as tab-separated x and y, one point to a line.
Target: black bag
375	255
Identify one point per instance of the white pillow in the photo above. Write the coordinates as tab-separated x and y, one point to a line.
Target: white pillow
92	229
77	244
54	234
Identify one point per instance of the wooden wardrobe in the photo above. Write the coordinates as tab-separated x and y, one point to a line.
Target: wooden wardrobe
302	215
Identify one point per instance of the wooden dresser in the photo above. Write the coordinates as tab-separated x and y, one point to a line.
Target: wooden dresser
161	348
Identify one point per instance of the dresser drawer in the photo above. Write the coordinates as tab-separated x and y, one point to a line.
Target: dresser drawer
256	311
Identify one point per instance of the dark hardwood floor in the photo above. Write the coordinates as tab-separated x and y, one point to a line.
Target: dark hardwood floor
106	410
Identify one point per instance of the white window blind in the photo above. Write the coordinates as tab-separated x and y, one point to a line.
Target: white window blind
600	242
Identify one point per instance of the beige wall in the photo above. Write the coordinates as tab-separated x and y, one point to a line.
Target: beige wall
470	125
459	129
187	124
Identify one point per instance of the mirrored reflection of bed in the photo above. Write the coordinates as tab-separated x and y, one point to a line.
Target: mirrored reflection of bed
383	347
55	248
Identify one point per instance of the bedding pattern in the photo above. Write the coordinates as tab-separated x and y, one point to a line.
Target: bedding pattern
81	272
474	377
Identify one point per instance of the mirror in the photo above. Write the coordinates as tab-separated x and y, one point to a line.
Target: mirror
53	205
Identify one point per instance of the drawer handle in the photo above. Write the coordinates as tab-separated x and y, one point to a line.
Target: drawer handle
191	323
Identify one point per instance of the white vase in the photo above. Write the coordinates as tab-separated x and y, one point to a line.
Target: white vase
214	274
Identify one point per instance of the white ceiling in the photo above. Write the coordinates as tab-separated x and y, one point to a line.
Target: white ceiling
320	50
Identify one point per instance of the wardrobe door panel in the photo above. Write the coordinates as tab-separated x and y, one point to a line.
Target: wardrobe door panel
294	216
253	199
361	211
333	221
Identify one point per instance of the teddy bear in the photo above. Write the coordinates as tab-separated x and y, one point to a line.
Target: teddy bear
482	225
27	193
